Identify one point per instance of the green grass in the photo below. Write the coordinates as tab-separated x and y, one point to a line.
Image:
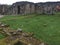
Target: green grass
44	27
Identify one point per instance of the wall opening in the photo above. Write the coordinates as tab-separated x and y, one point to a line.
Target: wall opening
18	9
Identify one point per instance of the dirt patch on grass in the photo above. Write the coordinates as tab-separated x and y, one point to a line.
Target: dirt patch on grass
1	16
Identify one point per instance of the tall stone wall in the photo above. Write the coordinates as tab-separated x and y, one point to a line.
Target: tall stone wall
32	8
3	9
25	7
39	8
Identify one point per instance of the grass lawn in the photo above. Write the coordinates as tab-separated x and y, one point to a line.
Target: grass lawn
44	27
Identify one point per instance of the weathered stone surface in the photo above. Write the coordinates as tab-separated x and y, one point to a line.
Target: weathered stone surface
25	7
15	37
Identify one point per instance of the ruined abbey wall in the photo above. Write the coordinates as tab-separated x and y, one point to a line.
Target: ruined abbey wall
25	7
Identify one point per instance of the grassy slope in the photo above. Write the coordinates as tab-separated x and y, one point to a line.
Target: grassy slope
49	33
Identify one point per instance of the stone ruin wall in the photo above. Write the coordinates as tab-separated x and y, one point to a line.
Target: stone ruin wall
3	9
29	8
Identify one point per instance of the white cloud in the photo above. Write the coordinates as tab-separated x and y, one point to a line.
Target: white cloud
13	1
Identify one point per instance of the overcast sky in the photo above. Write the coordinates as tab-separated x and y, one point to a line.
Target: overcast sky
13	1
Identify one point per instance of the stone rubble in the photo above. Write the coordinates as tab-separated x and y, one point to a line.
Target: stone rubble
13	36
